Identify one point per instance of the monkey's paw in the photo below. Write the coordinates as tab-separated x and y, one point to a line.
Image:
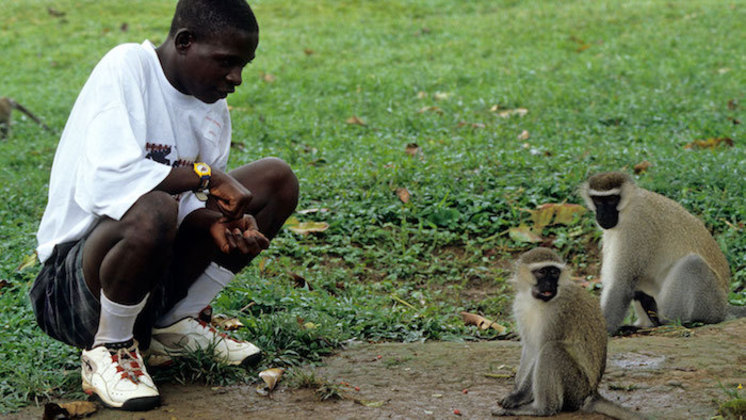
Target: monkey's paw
499	411
511	401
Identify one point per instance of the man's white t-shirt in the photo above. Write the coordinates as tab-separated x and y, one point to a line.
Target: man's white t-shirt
127	129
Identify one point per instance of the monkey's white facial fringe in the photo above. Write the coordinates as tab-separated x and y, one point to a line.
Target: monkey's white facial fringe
615	191
538	265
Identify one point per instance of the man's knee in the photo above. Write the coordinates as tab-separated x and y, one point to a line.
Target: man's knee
281	175
152	221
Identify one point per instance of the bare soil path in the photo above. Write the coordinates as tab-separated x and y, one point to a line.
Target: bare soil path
665	375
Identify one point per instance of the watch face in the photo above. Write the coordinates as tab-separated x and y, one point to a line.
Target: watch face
203	169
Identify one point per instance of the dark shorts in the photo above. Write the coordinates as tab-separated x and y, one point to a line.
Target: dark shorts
68	311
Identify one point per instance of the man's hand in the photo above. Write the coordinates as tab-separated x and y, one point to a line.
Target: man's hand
231	197
240	235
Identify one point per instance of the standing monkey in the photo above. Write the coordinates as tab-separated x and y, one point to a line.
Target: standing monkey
564	343
7	106
656	254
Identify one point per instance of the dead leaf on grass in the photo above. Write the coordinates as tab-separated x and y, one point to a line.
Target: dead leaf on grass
642	167
268	78
440	96
354	120
430	109
421	95
481	322
472	125
732	104
312	210
412	149
55	12
304	228
554	213
710	143
71	410
28	261
510	112
270	377
300	281
524	233
226	323
308	51
403	194
369	403
524	135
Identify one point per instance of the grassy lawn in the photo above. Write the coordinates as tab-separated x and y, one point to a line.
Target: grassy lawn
481	110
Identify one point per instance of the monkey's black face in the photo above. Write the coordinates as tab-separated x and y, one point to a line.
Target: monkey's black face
607	214
547	278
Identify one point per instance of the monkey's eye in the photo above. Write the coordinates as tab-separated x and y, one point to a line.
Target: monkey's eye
546	272
606	200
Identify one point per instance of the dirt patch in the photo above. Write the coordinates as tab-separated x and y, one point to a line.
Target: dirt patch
667	375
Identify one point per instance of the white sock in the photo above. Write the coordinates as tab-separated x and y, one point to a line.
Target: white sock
199	295
116	321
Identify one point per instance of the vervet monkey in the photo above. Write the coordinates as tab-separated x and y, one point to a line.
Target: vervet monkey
6	108
564	343
657	254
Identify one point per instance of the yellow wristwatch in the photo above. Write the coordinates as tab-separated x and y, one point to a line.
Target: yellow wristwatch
204	172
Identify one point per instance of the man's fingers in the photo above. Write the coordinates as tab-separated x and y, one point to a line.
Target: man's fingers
257	237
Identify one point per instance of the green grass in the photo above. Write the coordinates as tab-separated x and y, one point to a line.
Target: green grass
606	84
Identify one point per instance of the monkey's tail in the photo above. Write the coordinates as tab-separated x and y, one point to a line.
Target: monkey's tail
736	311
598	404
30	114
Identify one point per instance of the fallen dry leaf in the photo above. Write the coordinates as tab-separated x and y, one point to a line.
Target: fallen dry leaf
710	143
510	112
412	149
368	403
642	167
524	135
268	78
421	95
440	96
312	210
308	51
55	13
228	324
481	322
271	377
28	261
354	120
524	233
403	194
304	228
430	109
557	213
732	104
80	408
300	281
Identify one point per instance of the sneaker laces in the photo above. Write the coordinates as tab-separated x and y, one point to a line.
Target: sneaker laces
127	362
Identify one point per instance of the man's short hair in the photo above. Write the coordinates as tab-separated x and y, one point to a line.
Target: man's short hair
206	18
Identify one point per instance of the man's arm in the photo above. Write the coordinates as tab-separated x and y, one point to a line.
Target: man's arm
232	198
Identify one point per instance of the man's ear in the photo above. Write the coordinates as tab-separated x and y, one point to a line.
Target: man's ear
183	40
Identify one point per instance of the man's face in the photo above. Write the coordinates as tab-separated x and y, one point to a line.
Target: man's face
211	68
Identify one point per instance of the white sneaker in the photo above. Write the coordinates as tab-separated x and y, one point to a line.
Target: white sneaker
117	375
189	335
